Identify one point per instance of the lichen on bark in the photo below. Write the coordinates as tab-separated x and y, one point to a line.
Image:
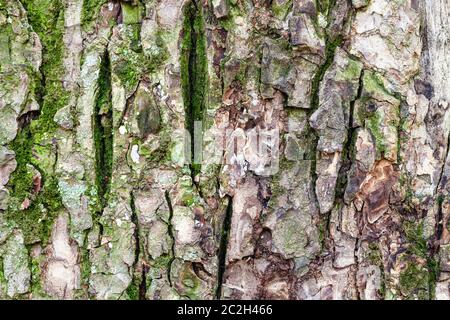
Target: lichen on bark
135	161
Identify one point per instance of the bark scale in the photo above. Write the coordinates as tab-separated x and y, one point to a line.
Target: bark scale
102	195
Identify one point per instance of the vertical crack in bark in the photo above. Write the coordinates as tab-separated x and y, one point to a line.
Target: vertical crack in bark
103	137
194	75
222	254
345	168
440	184
348	146
355	274
434	244
142	284
170	230
331	43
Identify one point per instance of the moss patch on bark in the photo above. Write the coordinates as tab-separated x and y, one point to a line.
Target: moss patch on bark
194	71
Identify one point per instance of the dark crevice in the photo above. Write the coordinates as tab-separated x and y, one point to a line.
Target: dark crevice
25	119
193	74
143	284
440	183
222	255
170	231
348	149
435	241
137	251
103	137
85	266
434	244
345	168
331	43
355	273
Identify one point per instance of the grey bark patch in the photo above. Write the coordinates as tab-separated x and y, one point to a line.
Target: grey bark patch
425	88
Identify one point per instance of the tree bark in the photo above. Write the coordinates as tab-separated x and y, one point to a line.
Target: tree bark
224	149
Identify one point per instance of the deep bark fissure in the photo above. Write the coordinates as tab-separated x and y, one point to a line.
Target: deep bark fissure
171	235
222	254
103	136
194	76
367	159
342	176
355	273
348	148
442	171
435	245
331	44
137	250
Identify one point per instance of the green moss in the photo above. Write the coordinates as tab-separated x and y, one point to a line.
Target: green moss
36	221
189	195
384	117
132	13
375	258
241	75
162	262
351	72
372	83
191	284
281	10
2	280
133	291
194	71
414	282
162	54
414	236
90	11
36	286
324	6
227	23
162	153
21	181
417	245
433	275
85	264
235	8
402	130
291	237
103	136
134	62
374	123
374	87
128	75
374	255
47	19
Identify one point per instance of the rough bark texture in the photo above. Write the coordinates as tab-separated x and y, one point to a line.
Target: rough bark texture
98	200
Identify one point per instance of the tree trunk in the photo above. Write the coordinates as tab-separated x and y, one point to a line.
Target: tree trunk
224	149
